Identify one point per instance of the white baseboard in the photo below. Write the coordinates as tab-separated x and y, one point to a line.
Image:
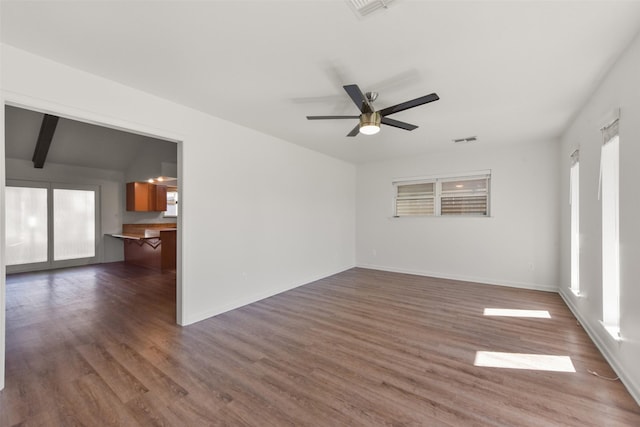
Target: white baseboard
596	333
483	280
241	302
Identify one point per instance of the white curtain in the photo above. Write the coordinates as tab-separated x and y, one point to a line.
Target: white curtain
574	184
609	196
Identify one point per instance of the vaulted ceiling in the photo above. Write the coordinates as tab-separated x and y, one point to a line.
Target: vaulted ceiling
77	144
506	72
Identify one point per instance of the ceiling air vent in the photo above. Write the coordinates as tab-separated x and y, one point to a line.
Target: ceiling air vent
465	140
365	7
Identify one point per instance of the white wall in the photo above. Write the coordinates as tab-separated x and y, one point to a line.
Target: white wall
516	246
619	89
111	184
259	215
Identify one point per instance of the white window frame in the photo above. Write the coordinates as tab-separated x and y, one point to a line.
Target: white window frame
438	180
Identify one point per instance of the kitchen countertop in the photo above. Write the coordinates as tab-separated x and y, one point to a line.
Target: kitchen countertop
148	234
125	236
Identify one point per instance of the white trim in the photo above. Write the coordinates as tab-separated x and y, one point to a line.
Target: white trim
444	176
632	387
614	331
577	293
444	217
474	279
3	272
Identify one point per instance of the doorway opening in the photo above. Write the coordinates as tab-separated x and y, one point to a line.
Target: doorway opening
63	213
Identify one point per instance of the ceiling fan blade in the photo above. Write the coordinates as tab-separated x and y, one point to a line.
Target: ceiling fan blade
358	98
355	131
409	104
398	124
331	117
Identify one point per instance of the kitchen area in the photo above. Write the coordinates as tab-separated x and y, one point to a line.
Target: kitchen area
151	244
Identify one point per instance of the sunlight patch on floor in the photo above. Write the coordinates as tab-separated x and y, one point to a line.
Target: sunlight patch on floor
507	312
535	362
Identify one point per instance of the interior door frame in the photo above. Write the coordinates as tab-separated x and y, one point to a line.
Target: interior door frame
36	104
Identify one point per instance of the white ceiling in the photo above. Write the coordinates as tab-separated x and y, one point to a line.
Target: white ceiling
508	72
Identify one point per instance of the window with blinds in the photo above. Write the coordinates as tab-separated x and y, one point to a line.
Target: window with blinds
446	196
415	199
465	197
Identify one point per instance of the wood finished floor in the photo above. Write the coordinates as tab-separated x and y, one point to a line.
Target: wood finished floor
98	346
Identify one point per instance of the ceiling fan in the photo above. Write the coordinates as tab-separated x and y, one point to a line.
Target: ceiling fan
370	119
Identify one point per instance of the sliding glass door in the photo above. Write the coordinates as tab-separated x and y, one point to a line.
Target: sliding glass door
50	225
74	224
26	235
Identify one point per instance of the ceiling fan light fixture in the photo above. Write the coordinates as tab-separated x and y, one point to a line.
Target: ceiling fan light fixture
370	119
370	123
369	129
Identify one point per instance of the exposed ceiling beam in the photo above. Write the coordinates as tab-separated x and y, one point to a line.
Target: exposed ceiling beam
47	129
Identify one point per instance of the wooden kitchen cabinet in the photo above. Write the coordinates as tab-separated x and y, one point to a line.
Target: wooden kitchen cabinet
150	245
160	198
146	197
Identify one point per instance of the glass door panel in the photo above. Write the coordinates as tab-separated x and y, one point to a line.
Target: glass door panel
74	224
26	235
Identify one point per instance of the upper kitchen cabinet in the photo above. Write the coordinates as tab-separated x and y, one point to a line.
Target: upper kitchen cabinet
146	197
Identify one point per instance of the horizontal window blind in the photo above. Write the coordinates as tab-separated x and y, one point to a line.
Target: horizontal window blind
415	199
465	197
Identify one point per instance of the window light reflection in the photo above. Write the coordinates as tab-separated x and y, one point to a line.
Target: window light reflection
507	312
535	362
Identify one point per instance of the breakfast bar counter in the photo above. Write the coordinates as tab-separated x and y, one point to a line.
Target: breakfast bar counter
149	245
